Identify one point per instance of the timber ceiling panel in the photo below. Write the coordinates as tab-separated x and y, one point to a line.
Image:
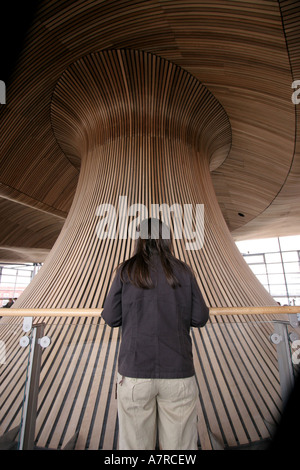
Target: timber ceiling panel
239	51
245	53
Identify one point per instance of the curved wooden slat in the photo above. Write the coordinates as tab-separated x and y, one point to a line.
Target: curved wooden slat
212	78
236	369
242	52
144	129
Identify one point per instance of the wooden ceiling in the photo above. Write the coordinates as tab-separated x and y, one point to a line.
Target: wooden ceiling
245	53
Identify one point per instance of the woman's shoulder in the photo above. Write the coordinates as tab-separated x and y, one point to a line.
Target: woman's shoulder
183	267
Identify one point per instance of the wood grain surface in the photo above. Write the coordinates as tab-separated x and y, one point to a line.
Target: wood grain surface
184	102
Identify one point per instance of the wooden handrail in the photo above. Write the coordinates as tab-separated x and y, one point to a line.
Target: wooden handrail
254	310
96	312
51	312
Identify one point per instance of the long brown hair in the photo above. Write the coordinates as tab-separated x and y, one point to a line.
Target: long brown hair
154	238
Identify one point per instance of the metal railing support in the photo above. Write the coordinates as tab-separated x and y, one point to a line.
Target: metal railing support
284	360
27	429
282	339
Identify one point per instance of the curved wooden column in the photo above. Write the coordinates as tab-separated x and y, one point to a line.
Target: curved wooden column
146	129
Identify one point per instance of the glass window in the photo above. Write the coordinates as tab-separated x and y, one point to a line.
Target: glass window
22	280
276	279
7	279
263	278
254	259
273	258
282	300
292	267
8	272
275	268
258	268
290	243
14	279
6	293
293	278
294	289
267	287
265	245
290	256
276	290
22	272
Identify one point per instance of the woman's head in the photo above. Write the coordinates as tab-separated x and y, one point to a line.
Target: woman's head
154	237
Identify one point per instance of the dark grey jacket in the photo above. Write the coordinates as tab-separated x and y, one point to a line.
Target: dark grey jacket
156	323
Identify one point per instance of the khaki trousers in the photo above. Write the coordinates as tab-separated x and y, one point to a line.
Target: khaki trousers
148	405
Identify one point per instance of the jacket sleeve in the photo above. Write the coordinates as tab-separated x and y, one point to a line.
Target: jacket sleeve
112	311
200	311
